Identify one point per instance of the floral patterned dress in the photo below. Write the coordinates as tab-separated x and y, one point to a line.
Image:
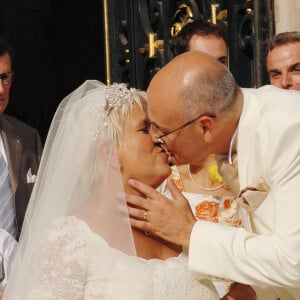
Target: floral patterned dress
223	209
217	209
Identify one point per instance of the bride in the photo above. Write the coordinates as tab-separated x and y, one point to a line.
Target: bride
77	242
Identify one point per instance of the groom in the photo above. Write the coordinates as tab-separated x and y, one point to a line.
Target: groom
198	111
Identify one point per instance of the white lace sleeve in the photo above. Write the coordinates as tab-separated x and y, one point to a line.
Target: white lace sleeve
58	267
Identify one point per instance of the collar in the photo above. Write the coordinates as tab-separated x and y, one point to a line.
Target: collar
232	145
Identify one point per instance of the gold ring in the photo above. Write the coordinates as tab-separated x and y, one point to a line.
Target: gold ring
146	215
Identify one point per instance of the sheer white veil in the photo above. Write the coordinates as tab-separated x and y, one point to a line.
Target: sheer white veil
78	175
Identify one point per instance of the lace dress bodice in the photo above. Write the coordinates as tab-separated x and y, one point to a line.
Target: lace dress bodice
72	262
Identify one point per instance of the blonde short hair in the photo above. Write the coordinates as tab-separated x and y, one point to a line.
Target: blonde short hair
121	110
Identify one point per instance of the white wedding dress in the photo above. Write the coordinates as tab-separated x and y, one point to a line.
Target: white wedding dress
59	256
72	262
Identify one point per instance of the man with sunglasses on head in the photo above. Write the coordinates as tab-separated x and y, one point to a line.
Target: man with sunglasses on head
255	132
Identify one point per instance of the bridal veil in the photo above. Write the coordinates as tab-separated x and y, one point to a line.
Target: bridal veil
78	175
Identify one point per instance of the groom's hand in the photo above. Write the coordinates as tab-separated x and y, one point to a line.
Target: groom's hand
171	220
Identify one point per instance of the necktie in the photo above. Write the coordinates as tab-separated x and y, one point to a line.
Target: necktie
7	211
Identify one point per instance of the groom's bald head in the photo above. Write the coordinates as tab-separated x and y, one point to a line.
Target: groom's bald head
194	82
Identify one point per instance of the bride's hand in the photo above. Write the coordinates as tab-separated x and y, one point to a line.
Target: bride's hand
171	220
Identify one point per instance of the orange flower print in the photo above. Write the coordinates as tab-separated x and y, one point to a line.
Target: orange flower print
179	184
208	211
176	179
228	213
227	203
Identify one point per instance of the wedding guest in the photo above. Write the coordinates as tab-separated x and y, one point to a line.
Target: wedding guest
210	200
202	36
77	242
283	60
198	111
20	153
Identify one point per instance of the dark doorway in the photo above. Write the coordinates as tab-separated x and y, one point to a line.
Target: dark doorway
58	45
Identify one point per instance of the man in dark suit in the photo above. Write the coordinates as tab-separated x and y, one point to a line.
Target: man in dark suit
20	145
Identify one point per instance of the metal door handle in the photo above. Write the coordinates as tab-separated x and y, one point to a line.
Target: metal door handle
152	45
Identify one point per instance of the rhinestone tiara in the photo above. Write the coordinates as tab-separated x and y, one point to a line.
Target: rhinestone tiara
116	95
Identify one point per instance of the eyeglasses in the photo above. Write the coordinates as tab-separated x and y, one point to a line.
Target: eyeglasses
6	78
159	135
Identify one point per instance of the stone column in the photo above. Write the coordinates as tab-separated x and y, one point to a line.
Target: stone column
287	14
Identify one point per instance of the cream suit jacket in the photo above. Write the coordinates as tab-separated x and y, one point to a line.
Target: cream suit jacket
269	152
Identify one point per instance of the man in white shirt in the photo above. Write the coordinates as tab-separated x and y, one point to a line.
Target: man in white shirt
198	111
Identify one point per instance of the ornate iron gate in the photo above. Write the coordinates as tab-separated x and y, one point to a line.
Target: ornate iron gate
138	36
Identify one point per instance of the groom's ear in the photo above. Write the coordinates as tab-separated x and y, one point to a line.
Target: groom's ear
108	150
207	125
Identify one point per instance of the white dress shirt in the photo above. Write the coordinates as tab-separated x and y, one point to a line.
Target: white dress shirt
8	247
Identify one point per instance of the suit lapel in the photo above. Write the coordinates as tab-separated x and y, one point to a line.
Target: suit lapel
251	110
245	141
13	150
